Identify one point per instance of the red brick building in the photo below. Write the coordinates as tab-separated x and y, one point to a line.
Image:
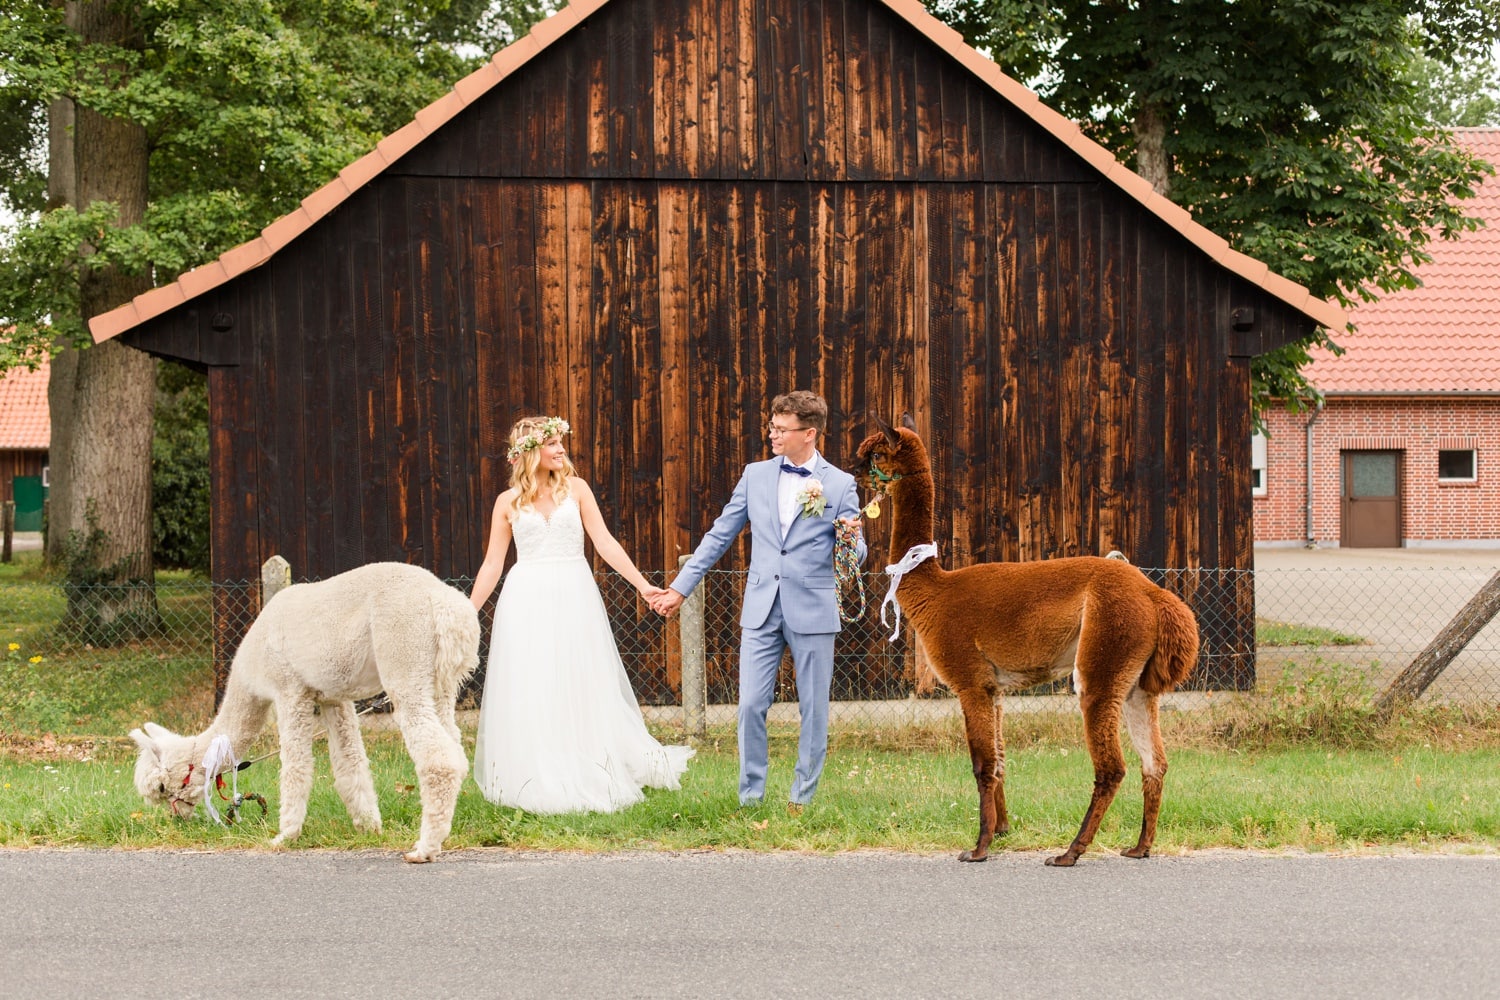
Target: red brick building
25	435
1406	450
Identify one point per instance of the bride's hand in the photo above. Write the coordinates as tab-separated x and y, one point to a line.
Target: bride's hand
650	593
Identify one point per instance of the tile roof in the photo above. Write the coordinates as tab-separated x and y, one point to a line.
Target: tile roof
278	234
1443	337
24	420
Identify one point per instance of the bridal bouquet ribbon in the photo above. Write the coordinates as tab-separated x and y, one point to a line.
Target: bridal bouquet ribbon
915	556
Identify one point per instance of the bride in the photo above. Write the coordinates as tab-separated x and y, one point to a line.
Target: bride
559	727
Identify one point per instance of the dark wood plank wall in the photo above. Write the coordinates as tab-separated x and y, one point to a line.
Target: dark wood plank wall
662	317
674	213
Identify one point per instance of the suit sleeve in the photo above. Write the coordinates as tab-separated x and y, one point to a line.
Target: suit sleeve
726	528
849	507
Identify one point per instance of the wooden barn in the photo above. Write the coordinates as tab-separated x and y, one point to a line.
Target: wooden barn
652	216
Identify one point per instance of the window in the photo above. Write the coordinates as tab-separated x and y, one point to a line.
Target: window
1258	464
1456	466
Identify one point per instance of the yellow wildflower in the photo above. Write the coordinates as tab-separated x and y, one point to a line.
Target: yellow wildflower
15	646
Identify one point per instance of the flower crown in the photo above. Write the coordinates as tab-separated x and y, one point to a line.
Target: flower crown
550	428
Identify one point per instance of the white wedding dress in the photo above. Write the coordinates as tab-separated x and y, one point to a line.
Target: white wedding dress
559	727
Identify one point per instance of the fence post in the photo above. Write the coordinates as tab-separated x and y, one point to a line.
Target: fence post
10	529
1442	650
275	576
694	676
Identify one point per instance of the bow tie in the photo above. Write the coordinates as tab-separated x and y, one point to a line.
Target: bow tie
795	470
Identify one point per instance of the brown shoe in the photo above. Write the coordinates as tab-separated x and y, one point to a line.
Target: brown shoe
794	808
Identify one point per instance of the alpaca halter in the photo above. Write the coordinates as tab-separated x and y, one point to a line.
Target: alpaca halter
915	556
550	428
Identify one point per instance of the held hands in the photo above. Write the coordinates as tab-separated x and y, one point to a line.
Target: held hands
665	602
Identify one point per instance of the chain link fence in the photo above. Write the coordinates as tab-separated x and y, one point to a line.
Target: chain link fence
72	664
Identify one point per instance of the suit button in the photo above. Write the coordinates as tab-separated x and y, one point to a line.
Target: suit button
783	551
778	576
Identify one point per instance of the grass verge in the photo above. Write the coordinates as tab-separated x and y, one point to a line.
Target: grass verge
912	796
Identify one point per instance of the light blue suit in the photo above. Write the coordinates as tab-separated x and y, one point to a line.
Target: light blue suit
789	601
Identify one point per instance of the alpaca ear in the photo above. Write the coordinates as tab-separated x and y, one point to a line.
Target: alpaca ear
908	422
885	428
158	732
145	742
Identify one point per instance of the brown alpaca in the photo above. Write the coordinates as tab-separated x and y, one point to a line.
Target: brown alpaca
1000	626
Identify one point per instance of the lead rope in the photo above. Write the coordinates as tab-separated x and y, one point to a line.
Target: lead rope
846	574
220	753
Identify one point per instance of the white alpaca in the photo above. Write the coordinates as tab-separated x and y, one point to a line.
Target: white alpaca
384	627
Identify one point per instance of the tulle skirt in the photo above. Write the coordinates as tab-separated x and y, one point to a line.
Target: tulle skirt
560	730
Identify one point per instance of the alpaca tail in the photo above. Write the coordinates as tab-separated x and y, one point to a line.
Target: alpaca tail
1176	645
456	624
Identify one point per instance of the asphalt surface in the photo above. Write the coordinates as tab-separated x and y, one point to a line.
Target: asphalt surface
496	923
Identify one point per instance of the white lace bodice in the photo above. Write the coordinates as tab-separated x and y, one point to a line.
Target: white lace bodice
557	537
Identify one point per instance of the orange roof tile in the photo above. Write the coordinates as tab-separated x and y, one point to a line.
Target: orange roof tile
24	420
544	33
1443	337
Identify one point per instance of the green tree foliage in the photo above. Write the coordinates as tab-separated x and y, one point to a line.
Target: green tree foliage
179	470
1295	129
1462	95
249	105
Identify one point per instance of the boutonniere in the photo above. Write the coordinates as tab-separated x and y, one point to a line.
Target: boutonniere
812	499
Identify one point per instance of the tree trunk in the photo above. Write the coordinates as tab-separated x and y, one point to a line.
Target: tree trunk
102	399
1151	148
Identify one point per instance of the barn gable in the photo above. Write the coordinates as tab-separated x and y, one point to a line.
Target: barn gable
654	215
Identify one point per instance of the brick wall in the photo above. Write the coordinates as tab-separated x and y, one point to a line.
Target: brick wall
1432	513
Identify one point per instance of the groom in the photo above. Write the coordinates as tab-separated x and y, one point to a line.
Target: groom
790	503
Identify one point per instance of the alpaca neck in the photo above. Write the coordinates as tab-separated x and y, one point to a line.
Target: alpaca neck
911	513
242	715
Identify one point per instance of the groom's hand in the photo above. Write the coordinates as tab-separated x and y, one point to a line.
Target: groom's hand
667	602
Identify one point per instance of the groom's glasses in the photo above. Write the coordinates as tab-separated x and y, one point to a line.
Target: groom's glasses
776	431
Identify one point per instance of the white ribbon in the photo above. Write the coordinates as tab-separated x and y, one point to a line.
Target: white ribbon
218	754
914	557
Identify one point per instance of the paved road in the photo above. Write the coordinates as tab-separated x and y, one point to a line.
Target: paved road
494	923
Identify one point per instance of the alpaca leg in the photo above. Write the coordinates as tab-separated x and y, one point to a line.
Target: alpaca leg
1144	726
1101	734
351	766
294	721
1002	817
979	726
445	698
441	766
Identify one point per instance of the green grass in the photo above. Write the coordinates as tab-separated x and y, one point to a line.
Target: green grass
873	796
51	682
1274	633
1300	764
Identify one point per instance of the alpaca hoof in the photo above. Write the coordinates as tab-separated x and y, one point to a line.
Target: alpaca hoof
367	825
1062	861
1137	852
417	857
973	856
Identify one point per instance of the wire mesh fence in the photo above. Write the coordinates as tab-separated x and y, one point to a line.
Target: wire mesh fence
93	662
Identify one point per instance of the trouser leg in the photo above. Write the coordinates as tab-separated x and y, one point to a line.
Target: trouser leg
760	659
812	655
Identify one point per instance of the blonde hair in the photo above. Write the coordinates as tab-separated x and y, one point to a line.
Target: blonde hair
526	438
